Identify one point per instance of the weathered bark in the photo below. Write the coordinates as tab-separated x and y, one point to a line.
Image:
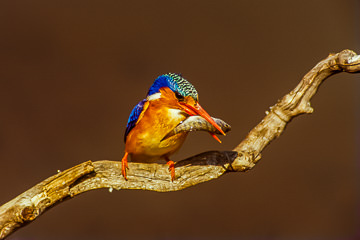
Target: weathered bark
155	177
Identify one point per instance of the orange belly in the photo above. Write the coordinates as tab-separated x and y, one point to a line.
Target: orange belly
144	142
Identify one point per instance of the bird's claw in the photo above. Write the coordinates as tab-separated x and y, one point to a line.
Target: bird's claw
171	169
124	165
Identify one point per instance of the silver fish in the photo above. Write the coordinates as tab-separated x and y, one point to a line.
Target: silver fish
198	123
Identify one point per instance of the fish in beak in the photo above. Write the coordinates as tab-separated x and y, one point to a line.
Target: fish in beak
198	110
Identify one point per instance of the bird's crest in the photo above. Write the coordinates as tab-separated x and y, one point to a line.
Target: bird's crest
176	83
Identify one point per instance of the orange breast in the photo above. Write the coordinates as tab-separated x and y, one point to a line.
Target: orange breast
144	142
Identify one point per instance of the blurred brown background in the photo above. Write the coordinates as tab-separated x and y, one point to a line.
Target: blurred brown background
71	71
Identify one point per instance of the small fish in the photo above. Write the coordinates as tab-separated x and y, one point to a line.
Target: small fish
198	123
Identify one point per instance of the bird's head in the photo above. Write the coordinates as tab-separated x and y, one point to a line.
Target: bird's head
179	94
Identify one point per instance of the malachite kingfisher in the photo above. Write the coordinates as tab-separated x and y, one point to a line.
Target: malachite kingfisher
169	101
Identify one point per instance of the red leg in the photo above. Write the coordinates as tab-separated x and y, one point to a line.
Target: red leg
124	165
171	168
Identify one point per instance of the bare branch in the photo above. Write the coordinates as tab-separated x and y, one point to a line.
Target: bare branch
200	168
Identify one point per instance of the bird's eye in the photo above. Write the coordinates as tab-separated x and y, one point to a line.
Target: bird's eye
179	96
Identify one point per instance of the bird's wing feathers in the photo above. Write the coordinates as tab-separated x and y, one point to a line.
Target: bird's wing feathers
135	115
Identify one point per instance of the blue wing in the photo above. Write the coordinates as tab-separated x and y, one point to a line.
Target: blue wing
134	115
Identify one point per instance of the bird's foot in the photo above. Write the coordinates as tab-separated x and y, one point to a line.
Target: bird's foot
124	165
171	169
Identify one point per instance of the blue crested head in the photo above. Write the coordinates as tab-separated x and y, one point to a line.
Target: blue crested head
176	83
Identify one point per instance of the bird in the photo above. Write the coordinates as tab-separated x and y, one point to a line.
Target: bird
169	101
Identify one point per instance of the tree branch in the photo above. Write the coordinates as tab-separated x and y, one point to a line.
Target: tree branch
200	168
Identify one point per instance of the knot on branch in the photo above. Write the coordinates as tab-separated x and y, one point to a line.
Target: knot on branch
244	161
348	61
281	113
29	213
